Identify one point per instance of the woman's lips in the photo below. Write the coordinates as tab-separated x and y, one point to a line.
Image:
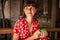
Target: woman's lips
29	13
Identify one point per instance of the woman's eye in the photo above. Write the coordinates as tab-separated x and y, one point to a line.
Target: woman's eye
32	8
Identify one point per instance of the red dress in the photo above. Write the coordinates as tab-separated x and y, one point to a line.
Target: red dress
21	28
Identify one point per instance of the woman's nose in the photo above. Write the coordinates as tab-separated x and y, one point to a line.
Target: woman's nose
30	10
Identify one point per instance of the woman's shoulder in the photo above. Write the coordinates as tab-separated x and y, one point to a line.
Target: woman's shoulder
20	19
35	21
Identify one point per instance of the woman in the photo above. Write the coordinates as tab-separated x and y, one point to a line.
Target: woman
27	28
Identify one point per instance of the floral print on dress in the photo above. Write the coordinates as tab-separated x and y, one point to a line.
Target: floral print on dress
21	28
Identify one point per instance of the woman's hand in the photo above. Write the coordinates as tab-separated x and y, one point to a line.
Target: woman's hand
36	34
44	34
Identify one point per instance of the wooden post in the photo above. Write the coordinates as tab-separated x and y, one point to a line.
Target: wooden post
53	13
53	16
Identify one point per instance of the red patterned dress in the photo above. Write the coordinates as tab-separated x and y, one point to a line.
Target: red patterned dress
21	28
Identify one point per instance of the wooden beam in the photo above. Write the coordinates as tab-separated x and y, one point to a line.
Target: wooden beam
5	30
53	29
9	30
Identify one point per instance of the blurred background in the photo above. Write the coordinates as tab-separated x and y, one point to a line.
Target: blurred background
48	16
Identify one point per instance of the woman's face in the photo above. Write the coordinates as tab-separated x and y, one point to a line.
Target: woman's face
29	11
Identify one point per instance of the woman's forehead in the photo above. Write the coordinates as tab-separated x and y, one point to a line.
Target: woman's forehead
30	6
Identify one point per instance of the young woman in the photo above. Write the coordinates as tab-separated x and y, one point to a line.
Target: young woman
27	28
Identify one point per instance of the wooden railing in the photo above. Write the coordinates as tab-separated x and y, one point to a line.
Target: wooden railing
5	30
9	30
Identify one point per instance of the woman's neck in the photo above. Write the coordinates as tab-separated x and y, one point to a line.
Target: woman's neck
29	19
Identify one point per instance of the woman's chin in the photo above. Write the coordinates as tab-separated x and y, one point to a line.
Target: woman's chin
29	15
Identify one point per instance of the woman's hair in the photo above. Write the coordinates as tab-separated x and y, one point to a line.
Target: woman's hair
30	3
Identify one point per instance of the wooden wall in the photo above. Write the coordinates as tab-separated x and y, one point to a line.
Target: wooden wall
14	10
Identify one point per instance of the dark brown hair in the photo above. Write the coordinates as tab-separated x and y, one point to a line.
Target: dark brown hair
30	3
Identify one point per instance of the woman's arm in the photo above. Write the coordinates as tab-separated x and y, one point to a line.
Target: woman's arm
15	33
34	36
15	36
29	38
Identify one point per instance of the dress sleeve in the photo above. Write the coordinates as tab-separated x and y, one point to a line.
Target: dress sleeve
16	28
36	24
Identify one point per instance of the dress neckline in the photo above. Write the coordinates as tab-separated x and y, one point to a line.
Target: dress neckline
30	32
